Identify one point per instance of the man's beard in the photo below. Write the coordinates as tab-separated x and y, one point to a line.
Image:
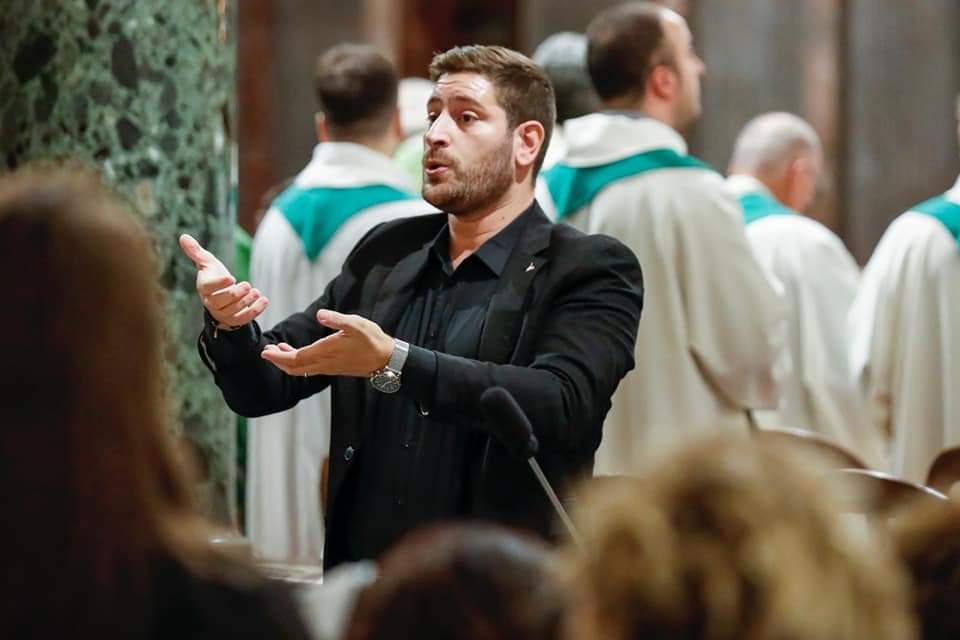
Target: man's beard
463	191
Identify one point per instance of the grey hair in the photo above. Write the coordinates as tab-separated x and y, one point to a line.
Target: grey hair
771	141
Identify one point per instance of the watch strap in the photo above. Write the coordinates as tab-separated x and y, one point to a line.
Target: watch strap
401	350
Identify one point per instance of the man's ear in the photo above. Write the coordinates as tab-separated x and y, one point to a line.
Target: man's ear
530	138
320	121
798	169
662	82
396	127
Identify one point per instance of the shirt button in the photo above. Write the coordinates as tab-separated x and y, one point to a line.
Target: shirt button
348	454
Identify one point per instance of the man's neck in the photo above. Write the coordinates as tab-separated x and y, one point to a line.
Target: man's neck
469	231
384	145
648	108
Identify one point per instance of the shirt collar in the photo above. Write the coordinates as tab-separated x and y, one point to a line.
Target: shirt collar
741	184
601	138
954	194
494	253
346	164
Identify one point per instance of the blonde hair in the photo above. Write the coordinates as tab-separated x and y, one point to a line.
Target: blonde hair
727	540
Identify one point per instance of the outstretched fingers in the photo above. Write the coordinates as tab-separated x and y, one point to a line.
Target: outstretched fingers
336	320
222	299
251	312
313	359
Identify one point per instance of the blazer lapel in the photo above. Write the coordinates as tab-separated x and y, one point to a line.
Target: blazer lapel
398	288
505	311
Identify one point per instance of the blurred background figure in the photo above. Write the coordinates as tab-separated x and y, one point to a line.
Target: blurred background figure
928	541
413	96
723	540
350	186
564	57
712	338
776	165
101	534
462	582
905	326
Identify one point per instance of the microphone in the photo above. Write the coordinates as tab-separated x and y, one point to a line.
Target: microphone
507	421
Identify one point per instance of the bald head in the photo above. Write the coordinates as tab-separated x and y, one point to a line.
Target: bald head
782	151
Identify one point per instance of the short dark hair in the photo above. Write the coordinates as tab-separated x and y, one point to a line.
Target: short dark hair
356	89
522	86
469	582
624	44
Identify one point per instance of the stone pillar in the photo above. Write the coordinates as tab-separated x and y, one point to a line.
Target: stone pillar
144	91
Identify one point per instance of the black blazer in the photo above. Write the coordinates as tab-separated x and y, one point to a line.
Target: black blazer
559	336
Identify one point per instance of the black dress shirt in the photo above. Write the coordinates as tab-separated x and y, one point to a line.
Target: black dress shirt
558	333
415	469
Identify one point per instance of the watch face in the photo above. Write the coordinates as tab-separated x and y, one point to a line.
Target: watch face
386	382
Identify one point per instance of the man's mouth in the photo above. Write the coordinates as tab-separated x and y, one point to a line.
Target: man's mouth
435	168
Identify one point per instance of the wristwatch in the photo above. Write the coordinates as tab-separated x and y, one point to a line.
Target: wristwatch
387	379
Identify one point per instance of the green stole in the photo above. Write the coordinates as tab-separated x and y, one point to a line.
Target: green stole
317	213
757	205
947	212
572	188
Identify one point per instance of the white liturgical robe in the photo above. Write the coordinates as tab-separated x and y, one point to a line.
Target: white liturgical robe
819	279
712	338
905	327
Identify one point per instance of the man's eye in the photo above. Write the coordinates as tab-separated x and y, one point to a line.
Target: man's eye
467	118
431	117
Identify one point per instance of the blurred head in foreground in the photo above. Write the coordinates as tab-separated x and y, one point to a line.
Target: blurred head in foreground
97	513
727	540
463	582
928	540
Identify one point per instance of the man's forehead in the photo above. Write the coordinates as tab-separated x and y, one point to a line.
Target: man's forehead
464	85
673	23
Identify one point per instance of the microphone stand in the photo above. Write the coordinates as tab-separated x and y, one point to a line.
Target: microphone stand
557	506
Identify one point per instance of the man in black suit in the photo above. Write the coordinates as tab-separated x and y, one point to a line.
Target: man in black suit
429	312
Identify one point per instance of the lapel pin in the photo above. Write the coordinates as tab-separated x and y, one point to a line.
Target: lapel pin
530	268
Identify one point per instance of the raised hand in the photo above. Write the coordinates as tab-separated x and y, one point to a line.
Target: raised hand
358	348
231	303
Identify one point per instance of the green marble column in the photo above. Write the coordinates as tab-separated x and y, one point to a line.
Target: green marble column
144	90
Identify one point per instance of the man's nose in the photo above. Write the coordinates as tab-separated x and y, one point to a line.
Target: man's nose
437	134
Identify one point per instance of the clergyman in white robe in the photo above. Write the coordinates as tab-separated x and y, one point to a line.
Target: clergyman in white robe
300	246
905	325
819	279
711	342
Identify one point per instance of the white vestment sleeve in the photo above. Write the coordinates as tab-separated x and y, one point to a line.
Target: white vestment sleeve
820	280
736	319
285	451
